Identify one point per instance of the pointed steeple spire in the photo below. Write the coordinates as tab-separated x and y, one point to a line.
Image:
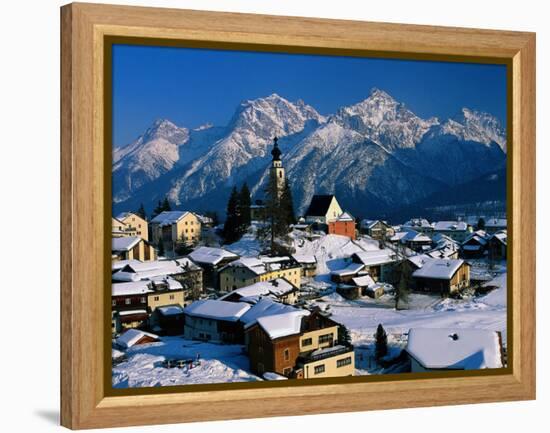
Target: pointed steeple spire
276	152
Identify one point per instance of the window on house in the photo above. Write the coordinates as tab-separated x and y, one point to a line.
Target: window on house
287	371
287	354
113	303
319	369
127	301
156	298
307	342
325	338
172	297
143	300
343	362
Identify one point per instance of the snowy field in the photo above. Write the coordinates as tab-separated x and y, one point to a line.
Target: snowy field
218	364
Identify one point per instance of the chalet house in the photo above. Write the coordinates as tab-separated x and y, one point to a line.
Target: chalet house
308	262
323	209
454	349
456	230
171	319
368	286
214	320
344	225
136	223
377	263
349	291
493	225
136	302
172	227
497	246
248	270
344	276
298	344
211	260
445	247
134	337
279	289
129	304
119	229
475	245
377	229
445	277
413	240
184	271
419	225
132	248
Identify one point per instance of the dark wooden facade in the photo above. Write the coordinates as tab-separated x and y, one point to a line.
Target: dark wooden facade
278	356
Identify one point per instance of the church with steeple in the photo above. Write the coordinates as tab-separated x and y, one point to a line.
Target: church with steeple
277	171
277	176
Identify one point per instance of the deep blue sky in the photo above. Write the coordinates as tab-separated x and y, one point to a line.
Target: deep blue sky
193	86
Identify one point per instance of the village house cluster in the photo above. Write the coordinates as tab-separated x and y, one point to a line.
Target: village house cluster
214	295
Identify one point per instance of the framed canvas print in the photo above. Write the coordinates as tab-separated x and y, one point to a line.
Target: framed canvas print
267	216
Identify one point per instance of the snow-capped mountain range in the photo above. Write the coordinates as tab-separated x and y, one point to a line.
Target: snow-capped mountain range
375	155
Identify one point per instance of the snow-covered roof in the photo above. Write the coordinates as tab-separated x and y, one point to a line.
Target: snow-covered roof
345	217
283	325
464	349
375	257
211	256
119	264
419	260
149	270
171	310
479	236
418	222
502	236
132	336
169	217
351	269
264	307
410	236
363	281
262	264
495	222
131	288
217	310
188	264
125	243
278	287
439	269
305	258
132	312
450	226
123	215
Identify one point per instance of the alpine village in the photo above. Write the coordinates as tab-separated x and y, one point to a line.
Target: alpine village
271	295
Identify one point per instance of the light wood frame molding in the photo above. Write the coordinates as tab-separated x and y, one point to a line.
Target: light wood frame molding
85	400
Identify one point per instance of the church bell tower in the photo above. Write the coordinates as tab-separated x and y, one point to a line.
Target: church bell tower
277	172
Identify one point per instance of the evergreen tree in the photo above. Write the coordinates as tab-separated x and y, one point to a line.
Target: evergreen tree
402	282
344	336
244	209
157	210
381	343
481	224
231	227
287	205
166	205
275	221
141	212
160	250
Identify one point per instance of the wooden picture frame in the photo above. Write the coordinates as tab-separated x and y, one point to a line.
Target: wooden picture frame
85	183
